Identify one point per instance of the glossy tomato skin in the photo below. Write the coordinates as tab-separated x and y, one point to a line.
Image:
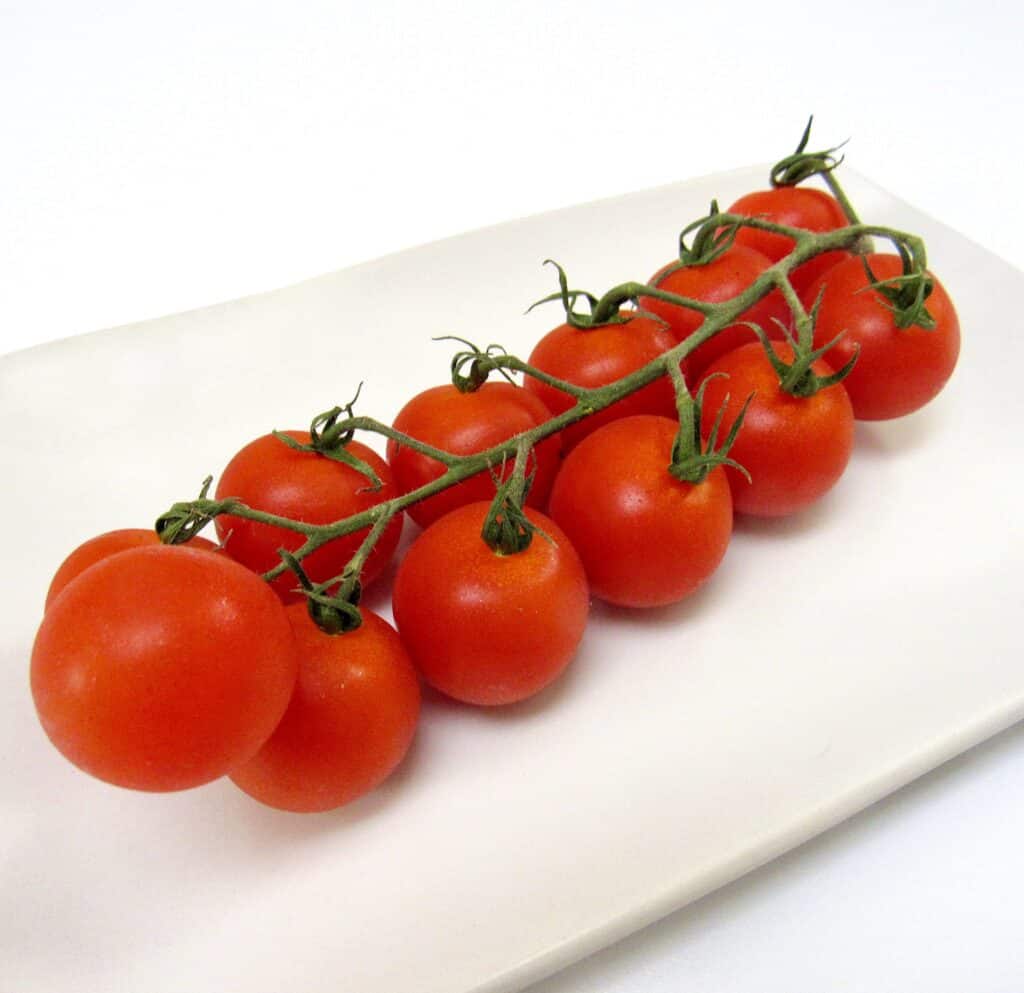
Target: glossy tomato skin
722	279
486	628
797	207
898	369
162	668
795	448
646	539
350	722
270	476
104	545
464	423
593	357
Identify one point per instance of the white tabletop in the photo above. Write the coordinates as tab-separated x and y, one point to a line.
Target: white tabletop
161	158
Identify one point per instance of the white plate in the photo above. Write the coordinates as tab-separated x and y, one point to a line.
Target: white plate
832	659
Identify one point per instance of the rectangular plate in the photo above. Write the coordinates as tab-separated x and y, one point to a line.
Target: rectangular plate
833	658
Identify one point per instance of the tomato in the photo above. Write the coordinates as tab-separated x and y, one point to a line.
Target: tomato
464	423
795	448
350	721
483	627
162	667
595	357
797	207
898	369
645	538
109	543
723	278
270	476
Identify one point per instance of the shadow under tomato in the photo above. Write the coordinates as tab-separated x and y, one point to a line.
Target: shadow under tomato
803	521
881	439
672	615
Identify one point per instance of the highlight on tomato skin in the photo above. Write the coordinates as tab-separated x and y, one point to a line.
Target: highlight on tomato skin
794	448
485	628
646	539
592	357
349	724
464	423
103	545
162	668
899	369
270	476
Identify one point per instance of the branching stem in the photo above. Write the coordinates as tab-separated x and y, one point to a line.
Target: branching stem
458	468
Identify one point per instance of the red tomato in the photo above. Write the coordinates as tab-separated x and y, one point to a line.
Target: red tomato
715	282
350	722
595	357
270	476
103	545
645	538
898	369
797	207
795	448
464	423
487	628
162	668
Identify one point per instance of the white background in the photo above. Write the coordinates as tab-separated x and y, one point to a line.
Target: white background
155	158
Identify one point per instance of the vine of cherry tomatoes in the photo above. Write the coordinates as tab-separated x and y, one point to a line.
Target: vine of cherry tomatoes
161	665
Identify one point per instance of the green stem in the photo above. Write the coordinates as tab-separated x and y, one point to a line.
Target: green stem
686	412
506	529
518	365
363	553
588	401
840	194
517	487
405	440
610	303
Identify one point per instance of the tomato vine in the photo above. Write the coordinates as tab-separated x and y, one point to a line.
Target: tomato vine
185	519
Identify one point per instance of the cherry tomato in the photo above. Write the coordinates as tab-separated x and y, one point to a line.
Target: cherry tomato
162	668
898	369
350	721
103	545
595	357
645	538
795	448
464	423
715	282
270	476
797	207
487	628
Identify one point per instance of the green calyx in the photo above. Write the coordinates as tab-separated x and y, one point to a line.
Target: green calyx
797	378
601	311
336	613
186	519
692	457
710	241
330	436
507	530
905	295
472	366
801	165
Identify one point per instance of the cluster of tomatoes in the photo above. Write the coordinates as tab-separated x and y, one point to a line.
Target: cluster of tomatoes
162	667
